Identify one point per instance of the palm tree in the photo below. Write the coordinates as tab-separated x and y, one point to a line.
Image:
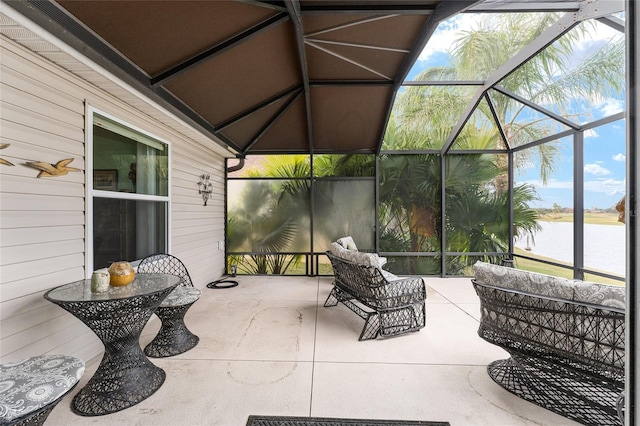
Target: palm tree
476	186
552	77
477	216
268	217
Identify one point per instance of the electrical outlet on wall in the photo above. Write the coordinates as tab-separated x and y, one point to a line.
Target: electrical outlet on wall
220	245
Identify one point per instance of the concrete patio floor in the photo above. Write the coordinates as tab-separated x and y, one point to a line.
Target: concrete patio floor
269	347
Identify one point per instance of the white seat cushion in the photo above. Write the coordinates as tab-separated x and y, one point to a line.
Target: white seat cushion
180	296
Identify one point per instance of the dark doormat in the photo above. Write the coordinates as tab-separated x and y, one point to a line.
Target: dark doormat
326	421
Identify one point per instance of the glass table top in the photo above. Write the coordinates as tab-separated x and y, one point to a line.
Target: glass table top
80	291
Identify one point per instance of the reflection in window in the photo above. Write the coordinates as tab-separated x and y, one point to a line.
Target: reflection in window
130	192
127	229
125	160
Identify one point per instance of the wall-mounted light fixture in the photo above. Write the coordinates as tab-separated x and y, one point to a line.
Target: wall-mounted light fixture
205	188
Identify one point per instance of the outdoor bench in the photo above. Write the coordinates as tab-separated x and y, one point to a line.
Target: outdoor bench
390	305
565	337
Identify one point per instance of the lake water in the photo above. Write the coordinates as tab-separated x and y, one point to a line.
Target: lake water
604	245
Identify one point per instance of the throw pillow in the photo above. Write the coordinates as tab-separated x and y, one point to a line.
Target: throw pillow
347	242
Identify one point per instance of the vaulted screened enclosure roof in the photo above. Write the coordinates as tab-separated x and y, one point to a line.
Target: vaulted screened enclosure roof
264	77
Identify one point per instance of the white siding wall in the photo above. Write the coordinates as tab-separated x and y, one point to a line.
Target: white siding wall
42	223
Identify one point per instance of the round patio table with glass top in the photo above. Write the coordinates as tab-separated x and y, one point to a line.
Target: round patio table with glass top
125	375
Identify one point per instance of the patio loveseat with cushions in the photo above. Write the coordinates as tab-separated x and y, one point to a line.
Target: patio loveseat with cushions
390	305
565	338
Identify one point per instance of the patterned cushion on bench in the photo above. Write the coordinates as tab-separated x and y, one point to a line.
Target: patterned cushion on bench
599	294
530	282
359	257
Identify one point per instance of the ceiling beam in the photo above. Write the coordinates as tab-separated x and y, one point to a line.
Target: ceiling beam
497	121
524	6
613	22
267	4
348	60
313	83
357	45
444	83
224	124
537	107
217	49
370	9
349	25
272	121
293	6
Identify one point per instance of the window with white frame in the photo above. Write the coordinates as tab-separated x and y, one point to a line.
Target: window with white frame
129	202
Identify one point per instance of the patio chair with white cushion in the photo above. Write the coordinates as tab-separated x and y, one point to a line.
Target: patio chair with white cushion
174	337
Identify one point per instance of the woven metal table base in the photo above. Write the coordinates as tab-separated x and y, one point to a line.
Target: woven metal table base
571	394
125	375
387	323
36	418
119	383
174	337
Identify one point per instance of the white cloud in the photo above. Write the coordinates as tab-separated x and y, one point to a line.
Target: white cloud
611	106
596	169
590	133
619	157
447	32
551	184
599	32
606	186
609	187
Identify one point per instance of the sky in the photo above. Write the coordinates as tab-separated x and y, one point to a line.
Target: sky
604	152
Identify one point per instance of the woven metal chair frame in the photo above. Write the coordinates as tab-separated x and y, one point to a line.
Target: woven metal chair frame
174	337
566	356
125	375
389	308
162	263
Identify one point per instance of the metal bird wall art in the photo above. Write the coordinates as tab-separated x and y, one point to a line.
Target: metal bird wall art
53	170
2	160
